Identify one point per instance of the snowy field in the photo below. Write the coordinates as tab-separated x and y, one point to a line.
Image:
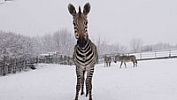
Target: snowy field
151	80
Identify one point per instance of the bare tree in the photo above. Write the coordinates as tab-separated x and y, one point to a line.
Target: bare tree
136	45
63	41
118	48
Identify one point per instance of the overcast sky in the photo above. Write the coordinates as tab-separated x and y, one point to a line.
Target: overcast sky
112	20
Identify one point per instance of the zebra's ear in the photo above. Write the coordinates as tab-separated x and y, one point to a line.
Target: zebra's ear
71	9
86	8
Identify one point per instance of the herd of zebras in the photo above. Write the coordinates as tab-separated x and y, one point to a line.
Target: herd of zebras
123	59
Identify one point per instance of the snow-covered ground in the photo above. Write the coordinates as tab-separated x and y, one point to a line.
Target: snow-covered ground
151	80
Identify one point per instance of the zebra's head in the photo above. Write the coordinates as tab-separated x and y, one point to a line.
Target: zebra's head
80	21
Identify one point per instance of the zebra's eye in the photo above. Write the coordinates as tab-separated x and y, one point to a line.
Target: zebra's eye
85	28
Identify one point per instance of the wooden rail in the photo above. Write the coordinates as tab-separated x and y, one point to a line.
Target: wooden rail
156	58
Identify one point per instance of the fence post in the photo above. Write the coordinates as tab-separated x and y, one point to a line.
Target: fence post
1	68
170	54
140	55
5	67
15	65
155	54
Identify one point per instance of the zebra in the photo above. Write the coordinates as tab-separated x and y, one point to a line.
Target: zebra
126	58
107	60
85	54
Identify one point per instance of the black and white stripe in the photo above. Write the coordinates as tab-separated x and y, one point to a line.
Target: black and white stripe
85	59
86	55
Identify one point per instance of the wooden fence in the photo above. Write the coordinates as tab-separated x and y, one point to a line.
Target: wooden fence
55	59
14	65
166	54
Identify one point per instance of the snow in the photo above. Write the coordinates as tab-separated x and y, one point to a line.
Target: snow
151	80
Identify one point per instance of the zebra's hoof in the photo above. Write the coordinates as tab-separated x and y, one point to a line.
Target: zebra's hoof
76	98
90	98
82	93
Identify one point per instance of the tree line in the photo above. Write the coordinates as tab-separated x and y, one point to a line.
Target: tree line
63	41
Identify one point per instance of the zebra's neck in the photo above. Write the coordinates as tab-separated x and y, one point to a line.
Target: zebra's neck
82	43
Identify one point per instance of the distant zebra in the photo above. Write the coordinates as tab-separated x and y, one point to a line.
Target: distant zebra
85	52
107	60
125	58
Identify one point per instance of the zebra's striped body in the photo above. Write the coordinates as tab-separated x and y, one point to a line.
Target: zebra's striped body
85	59
85	56
85	53
126	58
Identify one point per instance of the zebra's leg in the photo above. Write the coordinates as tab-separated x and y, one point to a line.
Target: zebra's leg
133	64
125	64
89	83
78	85
121	64
83	79
136	63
